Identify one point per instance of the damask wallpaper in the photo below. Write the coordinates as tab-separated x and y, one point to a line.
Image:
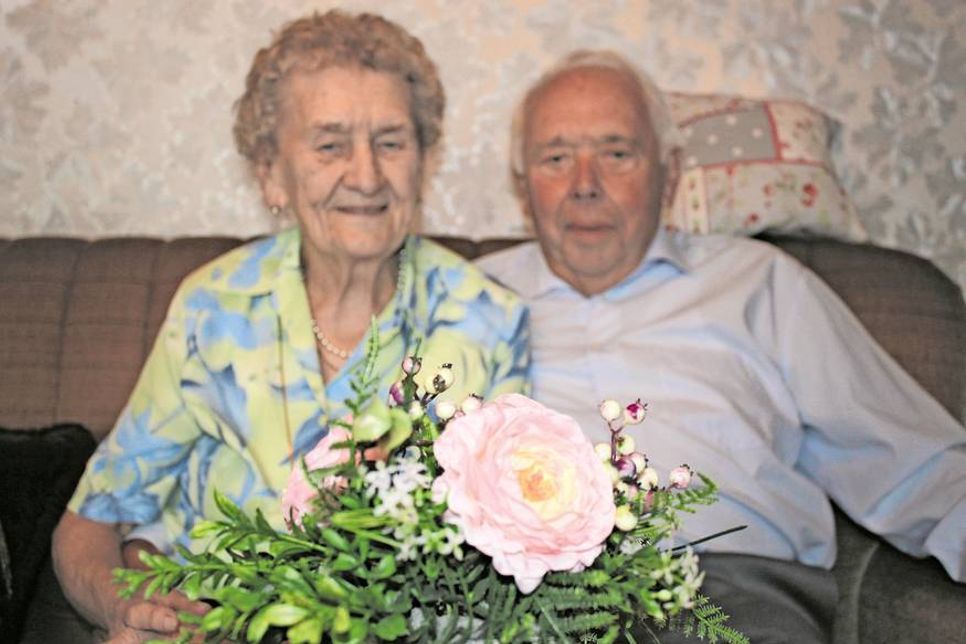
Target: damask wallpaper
115	115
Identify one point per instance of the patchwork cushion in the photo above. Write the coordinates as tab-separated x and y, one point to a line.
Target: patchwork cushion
749	166
38	472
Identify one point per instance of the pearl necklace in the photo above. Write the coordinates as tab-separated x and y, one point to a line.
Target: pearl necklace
338	351
327	344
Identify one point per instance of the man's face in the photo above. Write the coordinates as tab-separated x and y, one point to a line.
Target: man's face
592	176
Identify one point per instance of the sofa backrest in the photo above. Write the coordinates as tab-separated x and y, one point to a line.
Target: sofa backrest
77	318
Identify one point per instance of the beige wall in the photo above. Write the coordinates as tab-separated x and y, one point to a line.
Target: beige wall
115	114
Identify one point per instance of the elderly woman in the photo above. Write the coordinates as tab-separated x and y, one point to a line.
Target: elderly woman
339	118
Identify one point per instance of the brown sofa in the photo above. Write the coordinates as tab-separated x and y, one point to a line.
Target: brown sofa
78	317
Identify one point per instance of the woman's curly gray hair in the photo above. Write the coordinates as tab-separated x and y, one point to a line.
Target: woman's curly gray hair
335	38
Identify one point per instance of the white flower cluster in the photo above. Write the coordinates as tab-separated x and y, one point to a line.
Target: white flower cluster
681	577
446	541
402	487
394	484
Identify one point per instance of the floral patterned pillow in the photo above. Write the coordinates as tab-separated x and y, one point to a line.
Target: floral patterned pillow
749	166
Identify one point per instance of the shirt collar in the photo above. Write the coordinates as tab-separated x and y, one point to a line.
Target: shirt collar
667	248
258	267
268	262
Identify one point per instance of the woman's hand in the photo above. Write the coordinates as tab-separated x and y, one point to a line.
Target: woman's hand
142	619
145	619
85	553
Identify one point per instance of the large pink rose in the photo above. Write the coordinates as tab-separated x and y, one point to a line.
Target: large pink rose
298	494
527	489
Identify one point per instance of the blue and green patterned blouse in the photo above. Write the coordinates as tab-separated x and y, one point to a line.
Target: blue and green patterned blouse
233	387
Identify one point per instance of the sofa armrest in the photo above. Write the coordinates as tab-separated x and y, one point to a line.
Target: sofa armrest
909	601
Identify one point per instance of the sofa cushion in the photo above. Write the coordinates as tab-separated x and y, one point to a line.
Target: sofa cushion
79	318
38	472
751	165
905	601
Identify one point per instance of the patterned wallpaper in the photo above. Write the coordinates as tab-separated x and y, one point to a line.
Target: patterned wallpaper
115	114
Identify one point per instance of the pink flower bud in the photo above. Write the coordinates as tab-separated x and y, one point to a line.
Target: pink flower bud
411	365
471	403
626	468
396	394
635	412
680	477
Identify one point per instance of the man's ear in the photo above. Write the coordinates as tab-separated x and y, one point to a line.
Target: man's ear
671	170
522	193
269	177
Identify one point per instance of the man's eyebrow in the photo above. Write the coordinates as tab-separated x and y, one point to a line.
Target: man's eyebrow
620	138
555	142
607	139
332	127
391	128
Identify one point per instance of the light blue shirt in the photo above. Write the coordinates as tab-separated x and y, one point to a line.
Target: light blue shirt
757	375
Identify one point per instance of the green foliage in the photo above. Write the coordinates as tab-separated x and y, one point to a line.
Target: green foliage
335	584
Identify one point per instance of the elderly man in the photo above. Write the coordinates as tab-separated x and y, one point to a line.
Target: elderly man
730	342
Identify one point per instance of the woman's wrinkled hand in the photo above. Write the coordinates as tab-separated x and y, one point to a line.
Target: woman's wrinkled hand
139	619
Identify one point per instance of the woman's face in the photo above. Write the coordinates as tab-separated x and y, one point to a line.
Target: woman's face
348	164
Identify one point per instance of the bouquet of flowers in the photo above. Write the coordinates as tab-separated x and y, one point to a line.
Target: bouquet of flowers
420	520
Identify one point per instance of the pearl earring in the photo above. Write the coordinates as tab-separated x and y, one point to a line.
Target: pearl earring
275	210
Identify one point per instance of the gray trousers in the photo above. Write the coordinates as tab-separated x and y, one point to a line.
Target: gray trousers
766	599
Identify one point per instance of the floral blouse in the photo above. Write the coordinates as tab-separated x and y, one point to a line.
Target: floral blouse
232	391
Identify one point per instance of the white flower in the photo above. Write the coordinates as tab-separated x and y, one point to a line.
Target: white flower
625	519
603	451
407	551
378	481
630	546
415	410
639	460
610	410
625	444
615	476
397	504
411	475
445	410
471	403
442	379
648	479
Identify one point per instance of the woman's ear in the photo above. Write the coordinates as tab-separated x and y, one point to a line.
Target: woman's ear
269	175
